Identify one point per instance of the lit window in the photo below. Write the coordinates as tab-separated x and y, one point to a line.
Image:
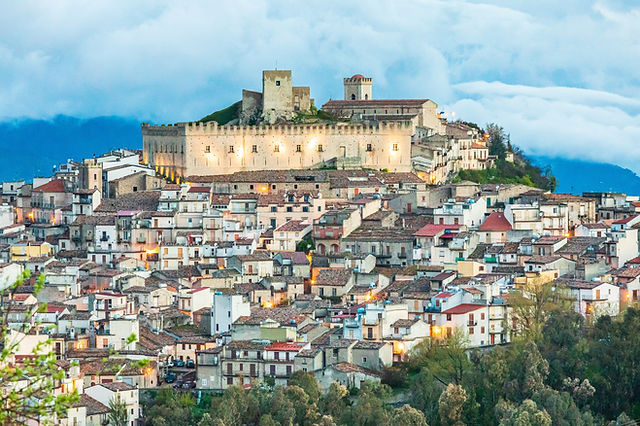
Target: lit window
231	149
298	148
276	148
395	147
207	148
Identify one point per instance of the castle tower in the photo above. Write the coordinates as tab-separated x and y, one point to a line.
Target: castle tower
357	88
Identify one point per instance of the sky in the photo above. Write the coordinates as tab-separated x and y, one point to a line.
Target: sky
562	77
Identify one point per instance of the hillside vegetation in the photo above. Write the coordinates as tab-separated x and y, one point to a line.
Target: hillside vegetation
520	171
225	115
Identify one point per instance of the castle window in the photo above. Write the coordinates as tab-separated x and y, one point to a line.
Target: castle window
353	97
273	187
298	148
231	149
276	148
207	148
254	148
395	147
250	186
277	82
320	149
369	148
366	97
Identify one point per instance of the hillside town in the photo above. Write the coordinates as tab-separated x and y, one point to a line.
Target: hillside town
192	265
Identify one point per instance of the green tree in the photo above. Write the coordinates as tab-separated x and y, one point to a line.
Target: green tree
334	402
450	405
497	138
613	364
446	359
533	303
308	382
28	386
564	345
369	407
236	407
174	408
526	413
424	393
408	416
306	244
118	415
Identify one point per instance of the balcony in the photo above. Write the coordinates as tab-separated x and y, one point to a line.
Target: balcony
104	238
141	239
472	323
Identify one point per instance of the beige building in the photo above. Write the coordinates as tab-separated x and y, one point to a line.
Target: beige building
205	148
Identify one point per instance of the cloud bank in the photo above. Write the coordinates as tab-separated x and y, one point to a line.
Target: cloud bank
561	77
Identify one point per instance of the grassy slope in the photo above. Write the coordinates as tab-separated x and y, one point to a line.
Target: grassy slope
224	115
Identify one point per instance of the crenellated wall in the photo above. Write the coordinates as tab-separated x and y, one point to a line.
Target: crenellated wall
206	148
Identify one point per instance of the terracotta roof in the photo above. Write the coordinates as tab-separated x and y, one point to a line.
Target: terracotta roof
292	226
333	277
56	185
432	230
495	222
286	346
463	309
358	77
375	102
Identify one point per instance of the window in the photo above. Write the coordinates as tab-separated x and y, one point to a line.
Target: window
395	147
369	148
135	189
320	149
470	330
364	359
231	149
254	148
298	148
305	209
230	381
250	186
274	209
207	148
482	330
277	82
289	209
276	148
448	317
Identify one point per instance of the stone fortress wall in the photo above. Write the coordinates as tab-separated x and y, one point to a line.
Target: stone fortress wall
189	149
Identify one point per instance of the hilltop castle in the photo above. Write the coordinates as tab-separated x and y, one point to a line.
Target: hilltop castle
369	133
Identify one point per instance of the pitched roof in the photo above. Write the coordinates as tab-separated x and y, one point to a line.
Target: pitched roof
333	277
463	308
431	230
56	185
495	222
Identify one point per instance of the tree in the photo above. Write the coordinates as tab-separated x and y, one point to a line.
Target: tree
527	413
306	244
369	408
446	359
533	303
174	408
450	405
28	386
408	416
118	415
308	382
497	137
424	394
564	345
334	401
236	407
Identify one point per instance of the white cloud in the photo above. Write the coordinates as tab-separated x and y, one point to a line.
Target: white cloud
560	76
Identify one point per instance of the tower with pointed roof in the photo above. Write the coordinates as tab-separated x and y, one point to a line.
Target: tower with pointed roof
357	88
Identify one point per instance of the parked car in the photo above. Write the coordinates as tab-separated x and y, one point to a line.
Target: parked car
178	363
170	377
191	364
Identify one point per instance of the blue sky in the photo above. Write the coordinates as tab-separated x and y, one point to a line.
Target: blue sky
561	76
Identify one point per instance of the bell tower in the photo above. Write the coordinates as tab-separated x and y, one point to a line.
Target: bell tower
357	88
